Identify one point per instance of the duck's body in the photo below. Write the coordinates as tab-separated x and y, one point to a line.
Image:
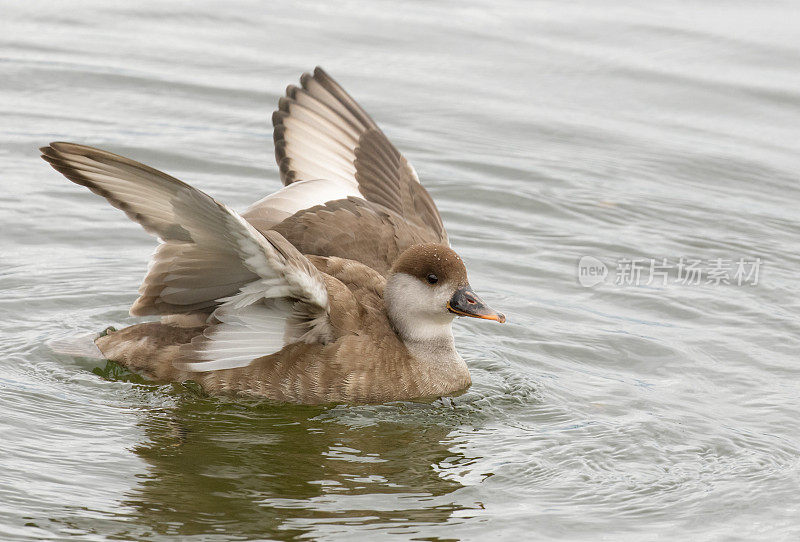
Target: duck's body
365	363
338	288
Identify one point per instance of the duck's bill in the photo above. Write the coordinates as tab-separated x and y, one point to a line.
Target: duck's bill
465	302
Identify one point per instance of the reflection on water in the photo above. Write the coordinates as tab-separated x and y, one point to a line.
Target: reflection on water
265	470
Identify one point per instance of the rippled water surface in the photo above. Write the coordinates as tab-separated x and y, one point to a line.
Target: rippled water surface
546	132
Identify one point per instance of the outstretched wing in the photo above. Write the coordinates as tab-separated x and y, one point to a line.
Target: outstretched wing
322	133
208	254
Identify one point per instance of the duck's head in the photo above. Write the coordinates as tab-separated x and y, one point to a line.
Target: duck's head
428	287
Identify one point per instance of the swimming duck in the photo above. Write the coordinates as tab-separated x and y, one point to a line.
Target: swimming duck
340	287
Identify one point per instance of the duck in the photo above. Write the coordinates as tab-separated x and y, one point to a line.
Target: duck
341	287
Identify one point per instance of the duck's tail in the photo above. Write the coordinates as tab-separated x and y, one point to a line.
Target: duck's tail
81	346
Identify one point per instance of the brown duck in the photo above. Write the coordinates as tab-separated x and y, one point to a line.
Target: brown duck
340	287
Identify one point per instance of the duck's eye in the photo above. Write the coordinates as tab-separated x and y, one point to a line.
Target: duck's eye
432	279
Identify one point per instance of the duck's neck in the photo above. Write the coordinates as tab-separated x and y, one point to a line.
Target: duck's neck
438	368
432	347
428	342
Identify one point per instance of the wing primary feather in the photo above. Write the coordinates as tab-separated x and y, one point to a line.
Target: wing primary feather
200	234
322	133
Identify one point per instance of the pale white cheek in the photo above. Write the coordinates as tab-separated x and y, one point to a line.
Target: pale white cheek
418	310
414	297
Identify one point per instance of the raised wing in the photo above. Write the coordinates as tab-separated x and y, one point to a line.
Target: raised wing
322	133
209	253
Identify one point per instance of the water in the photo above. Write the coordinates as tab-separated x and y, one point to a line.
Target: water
545	132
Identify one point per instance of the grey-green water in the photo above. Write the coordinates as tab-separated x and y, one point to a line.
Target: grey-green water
546	132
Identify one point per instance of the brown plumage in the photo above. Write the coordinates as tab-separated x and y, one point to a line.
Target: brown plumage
338	288
366	362
354	229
